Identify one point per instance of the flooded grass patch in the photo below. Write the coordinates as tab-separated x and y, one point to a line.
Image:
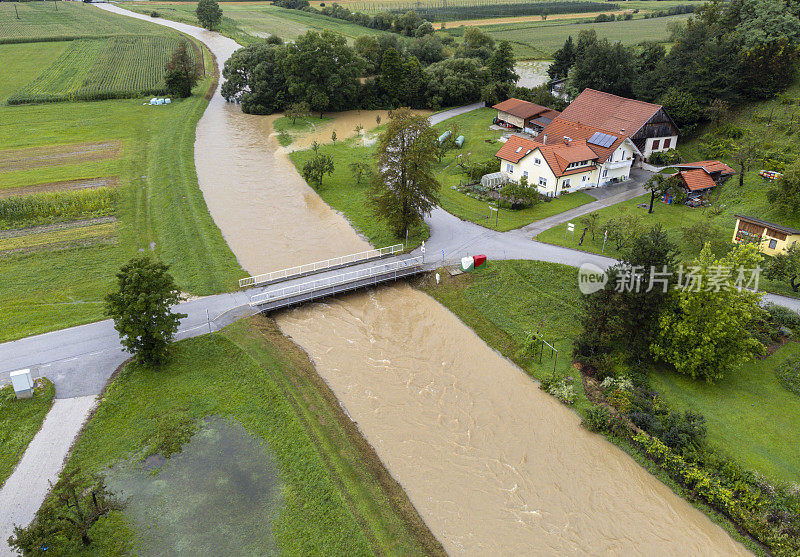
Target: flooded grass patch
217	496
261	387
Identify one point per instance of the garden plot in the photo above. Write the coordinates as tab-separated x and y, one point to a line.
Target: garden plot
75	234
49	155
64	185
114	67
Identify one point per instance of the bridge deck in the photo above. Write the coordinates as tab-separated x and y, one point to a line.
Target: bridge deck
306	289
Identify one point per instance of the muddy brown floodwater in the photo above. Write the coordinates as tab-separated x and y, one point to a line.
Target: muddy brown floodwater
493	464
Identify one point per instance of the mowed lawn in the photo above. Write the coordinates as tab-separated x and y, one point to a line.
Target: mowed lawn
337	498
750	415
482	144
160	207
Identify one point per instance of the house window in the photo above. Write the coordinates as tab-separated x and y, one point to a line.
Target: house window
510	168
585	178
773	244
565	183
605	173
656	143
537	161
543	181
525	173
667	143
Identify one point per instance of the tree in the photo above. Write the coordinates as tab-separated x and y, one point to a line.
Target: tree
391	78
520	195
592	223
501	64
785	266
718	110
180	73
563	59
622	230
314	170
604	66
360	170
297	110
744	153
358	129
62	524
208	13
706	333
405	188
256	77
785	194
140	308
333	137
657	185
698	234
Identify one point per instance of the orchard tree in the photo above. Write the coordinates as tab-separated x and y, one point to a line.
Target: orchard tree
785	266
360	169
180	72
209	13
315	169
405	187
658	185
706	333
297	110
140	308
62	524
785	194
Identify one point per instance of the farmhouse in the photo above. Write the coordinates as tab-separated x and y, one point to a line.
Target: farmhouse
580	157
524	116
647	125
771	238
697	178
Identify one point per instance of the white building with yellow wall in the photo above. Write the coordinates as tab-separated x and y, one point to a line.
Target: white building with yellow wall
772	238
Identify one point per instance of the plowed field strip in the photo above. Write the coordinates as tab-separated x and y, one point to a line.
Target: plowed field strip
17	232
36	157
67	185
58	239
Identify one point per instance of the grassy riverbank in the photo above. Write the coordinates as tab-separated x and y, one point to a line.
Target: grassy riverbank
338	498
56	276
20	420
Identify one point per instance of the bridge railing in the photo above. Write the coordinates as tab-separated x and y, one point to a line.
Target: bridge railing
319	266
343	278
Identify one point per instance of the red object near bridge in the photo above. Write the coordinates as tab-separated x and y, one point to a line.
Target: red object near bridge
479	260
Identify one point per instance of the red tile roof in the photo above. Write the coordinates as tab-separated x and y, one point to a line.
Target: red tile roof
515	148
560	128
609	112
696	179
524	109
712	167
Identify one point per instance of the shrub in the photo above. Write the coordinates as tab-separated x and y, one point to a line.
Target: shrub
783	316
155	14
597	419
788	374
665	158
560	386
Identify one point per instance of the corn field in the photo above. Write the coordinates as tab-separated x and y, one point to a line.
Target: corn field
57	206
454	10
113	67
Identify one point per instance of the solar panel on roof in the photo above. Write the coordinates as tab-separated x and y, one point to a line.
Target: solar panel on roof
602	139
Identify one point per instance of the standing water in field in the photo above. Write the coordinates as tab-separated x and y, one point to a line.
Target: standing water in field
532	73
218	496
492	463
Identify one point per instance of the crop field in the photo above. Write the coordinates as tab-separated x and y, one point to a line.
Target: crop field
95	69
56	21
540	40
84	233
59	206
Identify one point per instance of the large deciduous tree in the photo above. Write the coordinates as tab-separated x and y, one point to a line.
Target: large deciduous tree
785	194
405	188
706	333
141	311
180	72
209	13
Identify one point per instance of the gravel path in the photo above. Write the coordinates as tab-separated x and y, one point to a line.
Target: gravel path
26	488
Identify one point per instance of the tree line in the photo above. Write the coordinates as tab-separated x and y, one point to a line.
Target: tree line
726	54
382	71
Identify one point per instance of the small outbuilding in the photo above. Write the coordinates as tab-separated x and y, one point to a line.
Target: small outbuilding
519	115
698	178
771	238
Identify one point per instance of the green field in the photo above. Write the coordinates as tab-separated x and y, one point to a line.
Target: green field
538	40
54	21
750	415
55	278
20	420
114	67
245	22
337	498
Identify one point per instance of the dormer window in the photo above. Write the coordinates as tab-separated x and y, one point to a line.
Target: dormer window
578	164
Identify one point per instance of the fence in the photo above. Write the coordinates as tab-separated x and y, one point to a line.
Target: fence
342	282
326	265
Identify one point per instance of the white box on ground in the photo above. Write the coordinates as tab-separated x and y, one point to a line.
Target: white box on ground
22	381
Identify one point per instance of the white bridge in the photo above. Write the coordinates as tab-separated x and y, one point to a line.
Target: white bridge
287	287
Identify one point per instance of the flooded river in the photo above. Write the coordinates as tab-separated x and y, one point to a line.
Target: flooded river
532	73
493	464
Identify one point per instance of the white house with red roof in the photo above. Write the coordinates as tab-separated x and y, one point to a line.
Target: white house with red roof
566	163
